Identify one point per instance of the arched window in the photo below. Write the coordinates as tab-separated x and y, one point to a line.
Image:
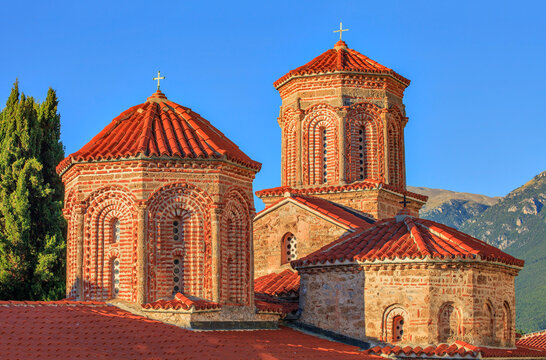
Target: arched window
506	325
448	323
115	230
325	155
115	277
397	328
394	156
178	275
361	153
289	248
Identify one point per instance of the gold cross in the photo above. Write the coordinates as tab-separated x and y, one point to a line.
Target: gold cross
341	30
158	78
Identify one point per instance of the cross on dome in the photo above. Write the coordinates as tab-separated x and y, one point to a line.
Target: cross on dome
341	30
158	78
405	202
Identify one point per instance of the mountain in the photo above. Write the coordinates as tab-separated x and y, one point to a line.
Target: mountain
452	208
517	224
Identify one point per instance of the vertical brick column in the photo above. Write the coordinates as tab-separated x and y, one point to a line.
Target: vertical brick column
384	121
80	218
141	253
215	216
299	148
342	115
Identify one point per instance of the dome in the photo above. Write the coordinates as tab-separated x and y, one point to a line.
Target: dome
341	59
405	237
159	128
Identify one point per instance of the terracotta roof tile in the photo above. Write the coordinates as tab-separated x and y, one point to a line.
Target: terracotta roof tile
182	302
159	128
534	340
340	59
286	283
361	185
61	331
402	238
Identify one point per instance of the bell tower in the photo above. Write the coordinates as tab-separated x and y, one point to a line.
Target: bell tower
342	122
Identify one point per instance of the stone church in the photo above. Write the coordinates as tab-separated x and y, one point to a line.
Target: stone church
161	221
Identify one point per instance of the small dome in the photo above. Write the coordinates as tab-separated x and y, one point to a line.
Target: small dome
341	59
405	237
159	128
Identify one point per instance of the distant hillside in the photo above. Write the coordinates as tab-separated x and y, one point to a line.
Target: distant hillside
517	224
452	208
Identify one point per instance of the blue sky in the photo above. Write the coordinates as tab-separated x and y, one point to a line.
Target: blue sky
475	104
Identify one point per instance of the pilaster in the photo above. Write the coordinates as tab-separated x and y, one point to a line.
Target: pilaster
141	252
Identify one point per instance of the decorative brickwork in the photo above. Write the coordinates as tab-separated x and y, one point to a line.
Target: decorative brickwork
146	228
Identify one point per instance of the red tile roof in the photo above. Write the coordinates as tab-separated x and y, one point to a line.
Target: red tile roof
182	302
402	238
534	340
286	283
339	213
367	184
63	331
271	305
458	349
159	128
341	59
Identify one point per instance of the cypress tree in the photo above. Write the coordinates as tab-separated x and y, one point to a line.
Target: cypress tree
31	223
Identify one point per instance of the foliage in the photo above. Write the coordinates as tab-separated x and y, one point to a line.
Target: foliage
32	243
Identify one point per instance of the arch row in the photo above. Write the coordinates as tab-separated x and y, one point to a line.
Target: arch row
290	147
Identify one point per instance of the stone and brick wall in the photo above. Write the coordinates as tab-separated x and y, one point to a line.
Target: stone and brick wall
195	212
310	231
437	302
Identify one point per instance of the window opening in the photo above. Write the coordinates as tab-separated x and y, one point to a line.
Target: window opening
115	278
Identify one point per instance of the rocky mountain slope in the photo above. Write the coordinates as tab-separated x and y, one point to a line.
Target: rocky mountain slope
517	224
452	208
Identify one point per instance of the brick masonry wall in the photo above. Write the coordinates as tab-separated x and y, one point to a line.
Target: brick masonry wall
334	300
438	302
311	233
147	196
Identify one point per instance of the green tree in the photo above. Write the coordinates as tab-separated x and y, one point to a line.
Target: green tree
32	244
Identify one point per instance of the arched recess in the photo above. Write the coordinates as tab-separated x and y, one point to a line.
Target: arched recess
103	207
189	205
320	145
507	326
488	322
450	322
235	249
290	148
394	316
394	140
364	143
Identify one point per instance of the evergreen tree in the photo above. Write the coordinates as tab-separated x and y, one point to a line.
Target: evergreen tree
31	223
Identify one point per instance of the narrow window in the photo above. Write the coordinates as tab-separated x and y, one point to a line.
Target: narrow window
115	230
290	251
178	229
397	328
115	278
325	153
361	153
177	276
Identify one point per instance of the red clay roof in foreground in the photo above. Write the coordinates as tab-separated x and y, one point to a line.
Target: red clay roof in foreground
159	128
182	302
100	331
535	340
458	349
408	238
341	59
360	185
